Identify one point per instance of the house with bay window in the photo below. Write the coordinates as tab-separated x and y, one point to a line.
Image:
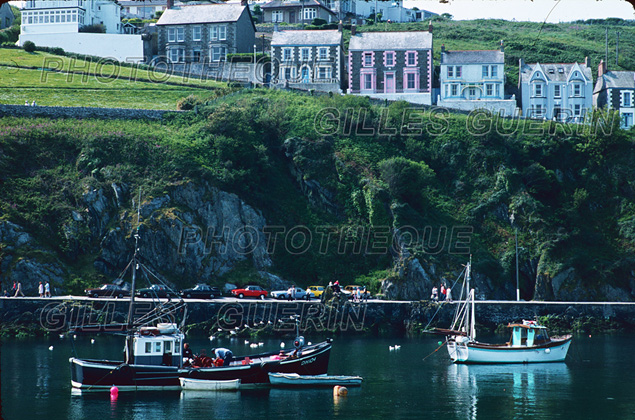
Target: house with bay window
472	80
205	33
391	65
307	60
556	91
296	11
91	27
615	90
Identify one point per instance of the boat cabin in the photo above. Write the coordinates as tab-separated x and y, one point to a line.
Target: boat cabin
161	345
528	334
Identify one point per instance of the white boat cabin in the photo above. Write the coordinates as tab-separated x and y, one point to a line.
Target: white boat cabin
528	334
161	345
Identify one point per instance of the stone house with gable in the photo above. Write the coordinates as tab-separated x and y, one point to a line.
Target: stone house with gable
296	11
205	32
558	91
615	90
391	65
6	16
308	59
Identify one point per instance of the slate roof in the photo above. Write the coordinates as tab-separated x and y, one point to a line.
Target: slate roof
201	13
473	57
413	40
619	79
330	37
552	71
277	4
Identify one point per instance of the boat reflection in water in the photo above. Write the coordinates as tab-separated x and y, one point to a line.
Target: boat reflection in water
511	390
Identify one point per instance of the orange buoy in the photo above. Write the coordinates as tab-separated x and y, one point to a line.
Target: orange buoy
340	391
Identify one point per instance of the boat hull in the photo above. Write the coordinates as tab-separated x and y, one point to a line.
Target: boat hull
293	380
204	385
100	375
476	353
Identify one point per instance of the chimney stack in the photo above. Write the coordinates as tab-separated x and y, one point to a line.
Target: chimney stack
353	29
587	62
442	48
601	68
170	4
502	46
521	64
430	27
340	26
243	2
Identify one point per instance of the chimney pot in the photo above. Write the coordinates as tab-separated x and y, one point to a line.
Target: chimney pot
353	29
170	4
430	27
442	47
340	26
502	46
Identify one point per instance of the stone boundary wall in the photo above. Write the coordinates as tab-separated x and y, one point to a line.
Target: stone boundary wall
81	112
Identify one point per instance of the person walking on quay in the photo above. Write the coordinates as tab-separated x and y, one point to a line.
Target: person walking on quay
40	289
13	289
448	294
18	289
435	294
47	289
442	295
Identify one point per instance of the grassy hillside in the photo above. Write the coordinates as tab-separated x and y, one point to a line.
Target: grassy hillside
572	191
54	80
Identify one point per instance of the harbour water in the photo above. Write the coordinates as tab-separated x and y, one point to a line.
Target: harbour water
596	382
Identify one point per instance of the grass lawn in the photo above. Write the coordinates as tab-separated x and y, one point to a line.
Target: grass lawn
51	88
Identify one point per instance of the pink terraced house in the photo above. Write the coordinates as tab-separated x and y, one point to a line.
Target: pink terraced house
391	65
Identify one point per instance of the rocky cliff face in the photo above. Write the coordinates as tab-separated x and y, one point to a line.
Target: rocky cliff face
191	234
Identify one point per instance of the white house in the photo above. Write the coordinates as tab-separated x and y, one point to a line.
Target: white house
393	11
560	91
474	80
61	24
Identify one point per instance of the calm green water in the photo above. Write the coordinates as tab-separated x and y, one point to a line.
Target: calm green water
595	383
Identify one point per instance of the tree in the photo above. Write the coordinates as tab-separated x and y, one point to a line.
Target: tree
29	46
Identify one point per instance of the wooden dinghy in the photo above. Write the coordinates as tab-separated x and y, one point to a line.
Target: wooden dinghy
295	380
189	384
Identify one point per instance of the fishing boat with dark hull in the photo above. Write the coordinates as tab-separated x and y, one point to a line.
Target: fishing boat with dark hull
153	354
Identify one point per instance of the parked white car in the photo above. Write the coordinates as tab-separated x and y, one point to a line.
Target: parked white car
297	293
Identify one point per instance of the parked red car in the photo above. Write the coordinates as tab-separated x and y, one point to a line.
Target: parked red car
250	291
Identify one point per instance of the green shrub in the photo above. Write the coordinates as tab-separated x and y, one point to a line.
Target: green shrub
29	46
188	103
318	22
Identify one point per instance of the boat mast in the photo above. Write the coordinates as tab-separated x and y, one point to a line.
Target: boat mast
129	339
470	295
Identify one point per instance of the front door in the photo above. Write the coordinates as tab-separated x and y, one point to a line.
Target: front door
389	83
291	17
305	75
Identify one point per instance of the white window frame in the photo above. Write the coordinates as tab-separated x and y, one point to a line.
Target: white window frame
324	73
305	54
277	16
196	29
219	33
557	91
180	34
323	53
538	90
310	13
494	71
577	90
287	54
171	34
218	53
627	99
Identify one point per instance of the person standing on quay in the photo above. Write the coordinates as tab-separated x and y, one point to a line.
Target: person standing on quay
435	294
18	289
40	289
47	289
448	294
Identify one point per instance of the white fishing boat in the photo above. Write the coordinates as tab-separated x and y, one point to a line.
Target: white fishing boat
529	342
189	384
295	380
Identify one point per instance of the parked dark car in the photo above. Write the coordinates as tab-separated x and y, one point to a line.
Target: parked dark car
201	291
156	290
109	290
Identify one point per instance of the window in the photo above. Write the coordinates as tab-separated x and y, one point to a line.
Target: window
389	58
498	90
323	53
411	81
494	71
627	120
286	54
305	54
627	100
577	89
450	71
177	55
455	89
489	89
196	33
577	110
538	110
324	73
538	89
157	347
219	33
411	58
276	16
458	71
180	34
219	53
368	59
289	73
310	13
485	71
196	56
447	90
556	91
368	81
148	348
167	346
